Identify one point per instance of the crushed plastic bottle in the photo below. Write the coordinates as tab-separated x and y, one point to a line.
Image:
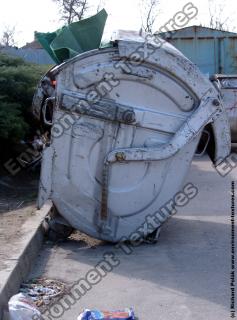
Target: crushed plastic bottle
21	307
127	314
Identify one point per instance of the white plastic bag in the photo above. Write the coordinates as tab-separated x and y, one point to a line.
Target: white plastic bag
21	307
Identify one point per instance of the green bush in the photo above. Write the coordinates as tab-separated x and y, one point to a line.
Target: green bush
18	80
12	124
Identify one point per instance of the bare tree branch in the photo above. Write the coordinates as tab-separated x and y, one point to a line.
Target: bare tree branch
218	19
73	10
149	13
8	37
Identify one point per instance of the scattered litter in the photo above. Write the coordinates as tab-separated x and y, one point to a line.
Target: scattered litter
22	307
127	314
43	291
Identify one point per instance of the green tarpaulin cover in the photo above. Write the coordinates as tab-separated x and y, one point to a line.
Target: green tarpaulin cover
75	38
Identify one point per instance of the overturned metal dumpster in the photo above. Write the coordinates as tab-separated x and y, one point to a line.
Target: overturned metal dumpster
126	121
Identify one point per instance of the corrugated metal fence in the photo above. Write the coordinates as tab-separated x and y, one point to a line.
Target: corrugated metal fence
213	51
38	56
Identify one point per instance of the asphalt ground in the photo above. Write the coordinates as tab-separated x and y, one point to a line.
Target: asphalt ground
186	275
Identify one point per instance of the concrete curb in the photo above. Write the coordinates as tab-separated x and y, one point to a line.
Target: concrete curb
21	264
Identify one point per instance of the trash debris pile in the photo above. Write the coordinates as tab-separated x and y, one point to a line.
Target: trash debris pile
34	298
43	291
21	307
27	304
127	314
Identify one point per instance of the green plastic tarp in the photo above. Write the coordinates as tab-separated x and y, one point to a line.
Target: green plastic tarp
77	37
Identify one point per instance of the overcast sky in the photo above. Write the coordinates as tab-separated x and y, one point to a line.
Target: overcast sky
43	15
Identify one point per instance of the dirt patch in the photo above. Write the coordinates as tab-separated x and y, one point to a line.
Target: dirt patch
17	192
11	232
17	204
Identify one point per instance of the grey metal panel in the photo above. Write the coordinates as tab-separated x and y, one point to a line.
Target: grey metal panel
228	89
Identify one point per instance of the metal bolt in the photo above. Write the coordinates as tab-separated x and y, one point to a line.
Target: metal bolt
129	116
216	102
120	156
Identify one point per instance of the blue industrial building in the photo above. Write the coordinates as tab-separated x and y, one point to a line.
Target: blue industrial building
213	51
